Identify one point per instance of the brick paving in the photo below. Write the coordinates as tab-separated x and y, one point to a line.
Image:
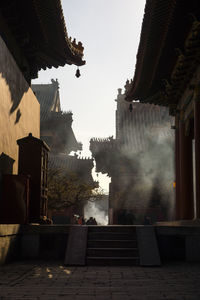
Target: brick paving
52	280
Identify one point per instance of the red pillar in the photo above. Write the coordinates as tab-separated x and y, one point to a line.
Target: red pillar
186	174
197	151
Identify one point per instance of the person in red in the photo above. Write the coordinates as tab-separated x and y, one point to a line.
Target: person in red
80	220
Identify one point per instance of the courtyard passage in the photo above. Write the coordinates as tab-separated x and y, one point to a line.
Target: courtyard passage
52	280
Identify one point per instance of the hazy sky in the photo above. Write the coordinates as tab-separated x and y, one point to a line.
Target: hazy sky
109	31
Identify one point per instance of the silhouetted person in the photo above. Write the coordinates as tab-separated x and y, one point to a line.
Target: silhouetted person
130	218
94	222
122	217
74	220
91	221
147	220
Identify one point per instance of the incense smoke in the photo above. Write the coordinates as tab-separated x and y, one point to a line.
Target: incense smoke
140	160
98	210
153	170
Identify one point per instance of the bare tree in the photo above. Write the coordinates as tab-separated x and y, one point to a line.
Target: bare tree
67	189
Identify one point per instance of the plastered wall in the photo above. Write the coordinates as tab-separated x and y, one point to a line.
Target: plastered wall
19	108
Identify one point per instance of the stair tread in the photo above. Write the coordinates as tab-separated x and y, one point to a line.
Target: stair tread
112	240
114	245
111	248
112	232
111	235
108	227
112	257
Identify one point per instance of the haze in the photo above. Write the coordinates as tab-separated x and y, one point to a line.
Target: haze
109	31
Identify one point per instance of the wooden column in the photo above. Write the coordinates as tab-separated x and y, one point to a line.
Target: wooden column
186	175
177	169
197	148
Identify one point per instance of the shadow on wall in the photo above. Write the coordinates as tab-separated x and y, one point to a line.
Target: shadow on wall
6	167
9	243
17	87
18	116
13	77
6	164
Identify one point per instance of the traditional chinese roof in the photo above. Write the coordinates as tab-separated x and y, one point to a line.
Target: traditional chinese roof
56	128
168	53
48	97
104	152
72	164
36	34
134	129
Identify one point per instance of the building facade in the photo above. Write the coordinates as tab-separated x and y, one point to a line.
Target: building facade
137	188
171	78
55	125
56	131
33	36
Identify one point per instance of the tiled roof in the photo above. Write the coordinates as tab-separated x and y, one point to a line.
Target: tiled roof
167	46
80	166
134	131
48	96
53	119
134	127
38	29
72	144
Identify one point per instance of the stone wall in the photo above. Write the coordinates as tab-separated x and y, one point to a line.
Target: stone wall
20	110
179	242
9	242
49	242
46	242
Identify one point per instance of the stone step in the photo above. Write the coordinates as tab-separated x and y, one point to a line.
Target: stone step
111	236
112	252
112	243
112	228
112	261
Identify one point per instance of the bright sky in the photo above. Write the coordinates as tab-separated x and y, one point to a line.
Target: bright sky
109	31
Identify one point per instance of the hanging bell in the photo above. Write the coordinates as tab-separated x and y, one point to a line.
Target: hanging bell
78	74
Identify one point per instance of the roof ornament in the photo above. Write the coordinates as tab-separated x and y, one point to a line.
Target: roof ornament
77	46
55	82
78	74
119	91
128	85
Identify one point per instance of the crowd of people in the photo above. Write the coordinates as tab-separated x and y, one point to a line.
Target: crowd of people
80	220
127	217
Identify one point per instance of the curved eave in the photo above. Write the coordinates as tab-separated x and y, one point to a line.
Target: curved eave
51	18
36	35
157	19
165	29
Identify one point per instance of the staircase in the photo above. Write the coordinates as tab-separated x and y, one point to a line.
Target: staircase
112	245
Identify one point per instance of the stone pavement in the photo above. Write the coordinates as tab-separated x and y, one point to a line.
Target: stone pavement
52	280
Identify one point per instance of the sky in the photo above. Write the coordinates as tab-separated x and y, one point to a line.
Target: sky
110	32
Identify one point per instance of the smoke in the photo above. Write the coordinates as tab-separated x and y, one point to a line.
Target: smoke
98	210
140	160
153	169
